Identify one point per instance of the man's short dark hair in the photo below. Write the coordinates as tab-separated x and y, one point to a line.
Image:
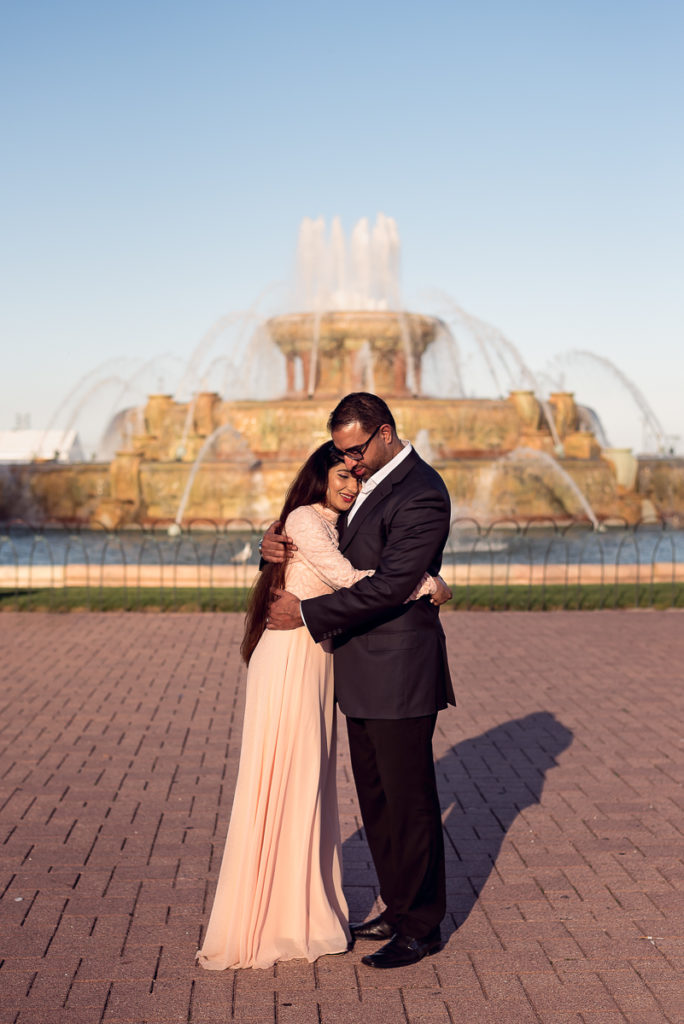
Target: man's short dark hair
363	408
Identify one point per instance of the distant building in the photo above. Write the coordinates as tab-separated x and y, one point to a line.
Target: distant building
29	445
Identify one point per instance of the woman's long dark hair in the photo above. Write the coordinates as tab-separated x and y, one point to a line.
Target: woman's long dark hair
308	487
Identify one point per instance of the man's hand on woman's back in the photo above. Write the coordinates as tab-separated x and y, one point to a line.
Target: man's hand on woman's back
276	546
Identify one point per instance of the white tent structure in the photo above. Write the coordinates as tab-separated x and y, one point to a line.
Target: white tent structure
19	446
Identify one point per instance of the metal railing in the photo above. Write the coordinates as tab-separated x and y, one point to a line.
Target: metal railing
544	564
504	564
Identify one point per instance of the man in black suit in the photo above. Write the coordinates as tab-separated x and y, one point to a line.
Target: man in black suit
391	672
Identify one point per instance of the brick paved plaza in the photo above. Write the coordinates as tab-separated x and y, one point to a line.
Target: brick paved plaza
560	775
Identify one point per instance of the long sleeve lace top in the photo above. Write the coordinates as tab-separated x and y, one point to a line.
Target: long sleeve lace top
318	566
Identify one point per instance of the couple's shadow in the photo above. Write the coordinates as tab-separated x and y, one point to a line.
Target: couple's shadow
484	783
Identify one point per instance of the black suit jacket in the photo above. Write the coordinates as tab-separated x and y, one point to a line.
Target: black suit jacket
390	657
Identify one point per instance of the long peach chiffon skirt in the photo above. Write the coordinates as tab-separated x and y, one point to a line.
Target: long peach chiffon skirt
279	893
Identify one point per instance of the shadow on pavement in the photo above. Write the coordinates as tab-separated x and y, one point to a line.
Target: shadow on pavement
484	783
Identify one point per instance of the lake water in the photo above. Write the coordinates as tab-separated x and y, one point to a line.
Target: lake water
644	545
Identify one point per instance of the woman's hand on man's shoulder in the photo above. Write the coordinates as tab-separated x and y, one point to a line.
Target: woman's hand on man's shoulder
442	592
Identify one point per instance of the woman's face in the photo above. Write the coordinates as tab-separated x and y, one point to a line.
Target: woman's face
342	488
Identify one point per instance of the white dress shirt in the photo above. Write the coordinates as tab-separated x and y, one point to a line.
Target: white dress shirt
369	485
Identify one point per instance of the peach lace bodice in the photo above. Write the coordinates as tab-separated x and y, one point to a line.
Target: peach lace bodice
318	566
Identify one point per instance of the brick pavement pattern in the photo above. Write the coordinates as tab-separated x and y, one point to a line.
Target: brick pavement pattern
560	775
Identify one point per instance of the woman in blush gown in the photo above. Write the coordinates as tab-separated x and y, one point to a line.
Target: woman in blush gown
279	894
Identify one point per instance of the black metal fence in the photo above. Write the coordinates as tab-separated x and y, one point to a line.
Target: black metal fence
505	564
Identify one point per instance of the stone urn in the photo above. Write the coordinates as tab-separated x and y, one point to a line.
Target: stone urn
124	475
158	414
564	412
204	418
625	464
527	408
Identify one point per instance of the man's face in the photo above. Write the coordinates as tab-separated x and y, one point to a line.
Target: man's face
376	455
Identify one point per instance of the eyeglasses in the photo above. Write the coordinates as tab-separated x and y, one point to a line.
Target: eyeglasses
357	451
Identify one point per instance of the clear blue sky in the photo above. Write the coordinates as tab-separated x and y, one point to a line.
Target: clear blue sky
159	156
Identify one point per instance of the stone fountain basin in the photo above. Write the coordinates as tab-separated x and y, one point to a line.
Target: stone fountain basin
379	327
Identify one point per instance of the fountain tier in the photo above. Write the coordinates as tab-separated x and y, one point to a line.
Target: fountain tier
223	460
258	446
358	350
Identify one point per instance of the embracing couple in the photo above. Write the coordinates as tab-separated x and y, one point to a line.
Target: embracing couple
351	587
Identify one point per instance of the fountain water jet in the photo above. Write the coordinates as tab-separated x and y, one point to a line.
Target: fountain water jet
128	386
362	276
637	395
484	335
313	359
226	428
71	395
98	386
190	376
547	462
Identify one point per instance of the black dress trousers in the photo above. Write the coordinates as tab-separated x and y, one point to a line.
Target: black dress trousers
394	774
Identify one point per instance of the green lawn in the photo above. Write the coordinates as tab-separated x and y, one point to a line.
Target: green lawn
574	598
234	599
117	599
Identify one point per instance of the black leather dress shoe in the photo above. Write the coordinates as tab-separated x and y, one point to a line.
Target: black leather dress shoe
403	950
377	928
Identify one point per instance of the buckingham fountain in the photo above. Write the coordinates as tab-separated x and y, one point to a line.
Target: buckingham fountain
220	459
